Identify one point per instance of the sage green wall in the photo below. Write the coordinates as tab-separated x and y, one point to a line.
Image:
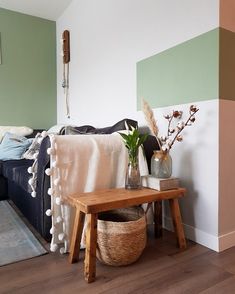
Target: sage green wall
28	70
186	73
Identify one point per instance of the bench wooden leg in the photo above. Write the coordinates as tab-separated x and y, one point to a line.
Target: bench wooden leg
76	236
177	222
91	243
158	219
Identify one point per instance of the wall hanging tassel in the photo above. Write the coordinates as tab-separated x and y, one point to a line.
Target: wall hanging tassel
66	60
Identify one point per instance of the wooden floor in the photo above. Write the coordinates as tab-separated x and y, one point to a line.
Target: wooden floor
161	269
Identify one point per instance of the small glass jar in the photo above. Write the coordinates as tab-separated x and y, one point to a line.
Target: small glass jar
161	164
133	178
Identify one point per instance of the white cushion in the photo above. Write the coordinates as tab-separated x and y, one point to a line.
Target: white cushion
21	131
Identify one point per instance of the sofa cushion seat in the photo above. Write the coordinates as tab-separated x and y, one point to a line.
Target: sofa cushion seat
21	178
17	171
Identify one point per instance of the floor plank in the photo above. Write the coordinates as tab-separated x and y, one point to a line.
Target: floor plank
162	268
225	287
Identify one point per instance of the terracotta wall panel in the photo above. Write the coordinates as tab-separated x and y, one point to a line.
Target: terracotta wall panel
226	166
227	14
227	65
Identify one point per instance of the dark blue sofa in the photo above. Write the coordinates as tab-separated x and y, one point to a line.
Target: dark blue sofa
14	179
14	186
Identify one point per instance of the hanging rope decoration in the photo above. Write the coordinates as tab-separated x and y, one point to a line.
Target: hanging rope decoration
66	60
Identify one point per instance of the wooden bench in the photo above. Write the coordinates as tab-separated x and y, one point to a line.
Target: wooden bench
90	204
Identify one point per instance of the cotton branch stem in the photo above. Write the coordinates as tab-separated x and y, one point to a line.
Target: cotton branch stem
180	130
169	124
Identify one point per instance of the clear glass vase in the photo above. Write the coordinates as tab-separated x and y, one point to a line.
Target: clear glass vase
133	178
161	164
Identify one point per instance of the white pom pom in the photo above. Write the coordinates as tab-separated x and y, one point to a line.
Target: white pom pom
50	151
30	181
52	137
52	230
48	172
35	156
30	170
58	200
54	164
40	140
62	250
53	247
61	236
48	212
44	134
59	219
33	194
56	181
50	191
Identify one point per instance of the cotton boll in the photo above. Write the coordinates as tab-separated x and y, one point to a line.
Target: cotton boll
53	247
33	194
48	172
49	212
58	200
59	219
62	250
30	170
61	236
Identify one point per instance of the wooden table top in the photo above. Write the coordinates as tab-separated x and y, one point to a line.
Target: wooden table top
103	200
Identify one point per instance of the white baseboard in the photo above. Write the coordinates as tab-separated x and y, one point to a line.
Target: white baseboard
215	243
195	235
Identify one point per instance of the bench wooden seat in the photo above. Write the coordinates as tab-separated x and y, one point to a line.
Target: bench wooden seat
90	204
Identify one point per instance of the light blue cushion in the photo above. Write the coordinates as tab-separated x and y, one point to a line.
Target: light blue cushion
13	146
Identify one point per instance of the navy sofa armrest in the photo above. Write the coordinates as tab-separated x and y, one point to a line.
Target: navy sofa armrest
43	184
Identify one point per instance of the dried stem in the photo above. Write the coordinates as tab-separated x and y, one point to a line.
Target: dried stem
181	129
169	124
149	117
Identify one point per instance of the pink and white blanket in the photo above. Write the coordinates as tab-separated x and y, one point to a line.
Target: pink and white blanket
82	163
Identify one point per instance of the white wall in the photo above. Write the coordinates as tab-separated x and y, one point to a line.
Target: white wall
195	162
108	37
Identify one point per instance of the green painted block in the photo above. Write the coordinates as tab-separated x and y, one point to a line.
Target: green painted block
28	70
186	73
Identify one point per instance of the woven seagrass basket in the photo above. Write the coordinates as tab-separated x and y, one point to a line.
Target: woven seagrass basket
121	236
